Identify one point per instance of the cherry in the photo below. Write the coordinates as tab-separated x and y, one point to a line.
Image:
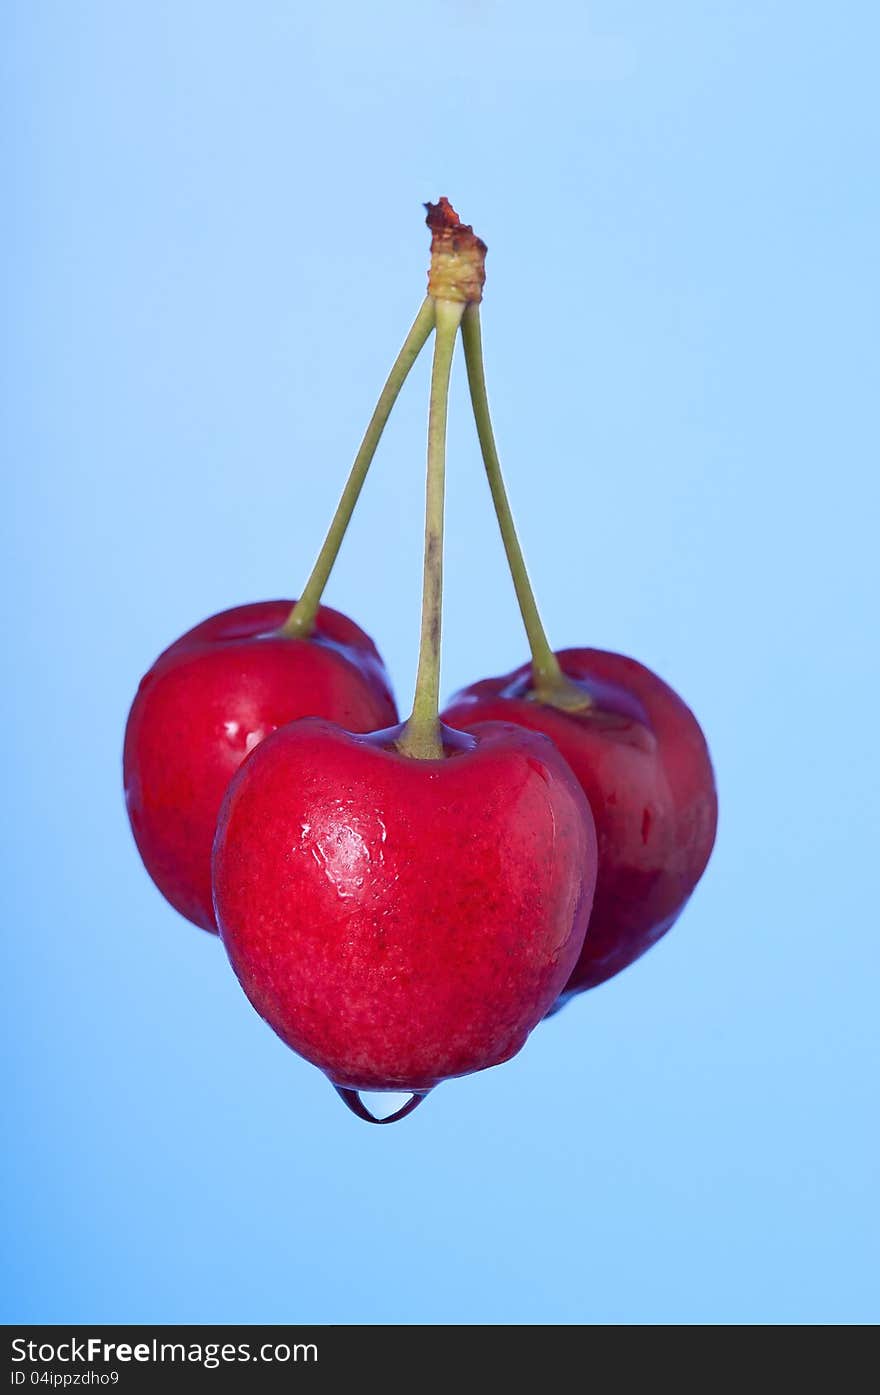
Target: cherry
207	701
399	921
642	761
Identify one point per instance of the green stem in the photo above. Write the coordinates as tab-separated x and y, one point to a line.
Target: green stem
421	734
550	683
301	620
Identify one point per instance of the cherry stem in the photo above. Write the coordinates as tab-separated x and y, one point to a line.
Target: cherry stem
301	620
551	685
420	738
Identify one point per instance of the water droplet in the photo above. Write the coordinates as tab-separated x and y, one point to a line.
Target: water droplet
354	1100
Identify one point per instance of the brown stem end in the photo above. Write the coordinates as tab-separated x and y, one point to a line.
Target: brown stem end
458	256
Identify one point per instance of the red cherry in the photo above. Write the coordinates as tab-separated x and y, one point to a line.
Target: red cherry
401	921
207	701
642	760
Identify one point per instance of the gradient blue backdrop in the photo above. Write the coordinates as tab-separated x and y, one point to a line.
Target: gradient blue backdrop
212	246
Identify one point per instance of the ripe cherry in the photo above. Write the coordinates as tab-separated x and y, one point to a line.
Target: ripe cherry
642	761
207	701
400	921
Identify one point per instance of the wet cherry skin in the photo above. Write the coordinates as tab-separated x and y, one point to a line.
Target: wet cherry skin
399	921
207	701
643	762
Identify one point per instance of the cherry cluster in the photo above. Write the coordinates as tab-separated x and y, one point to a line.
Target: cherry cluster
404	902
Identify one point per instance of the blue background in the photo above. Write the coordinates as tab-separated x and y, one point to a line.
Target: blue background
212	246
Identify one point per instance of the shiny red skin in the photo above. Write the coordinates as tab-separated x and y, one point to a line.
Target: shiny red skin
644	765
207	701
398	921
